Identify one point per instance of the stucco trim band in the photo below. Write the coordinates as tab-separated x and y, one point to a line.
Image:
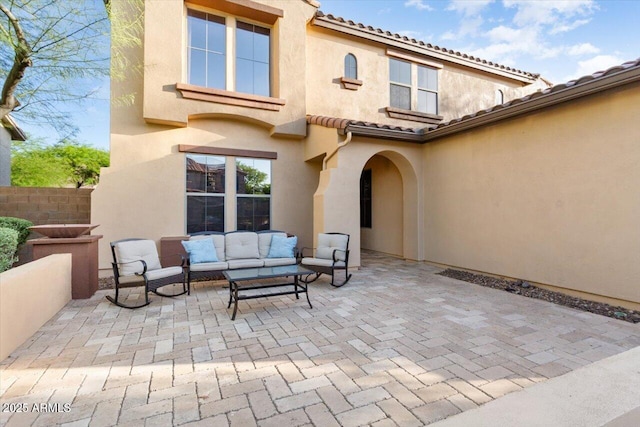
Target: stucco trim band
245	8
351	84
220	96
219	151
416	116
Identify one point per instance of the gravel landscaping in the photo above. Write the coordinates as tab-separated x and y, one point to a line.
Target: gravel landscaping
528	290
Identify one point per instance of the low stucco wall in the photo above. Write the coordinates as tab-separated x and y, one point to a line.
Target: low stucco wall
30	295
551	197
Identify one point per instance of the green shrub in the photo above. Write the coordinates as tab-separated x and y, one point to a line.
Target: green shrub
8	247
18	224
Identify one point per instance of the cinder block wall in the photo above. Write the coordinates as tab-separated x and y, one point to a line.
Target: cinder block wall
47	205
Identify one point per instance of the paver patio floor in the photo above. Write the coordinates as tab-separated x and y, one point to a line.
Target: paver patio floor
397	345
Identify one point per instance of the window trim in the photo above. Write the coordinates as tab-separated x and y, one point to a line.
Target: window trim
413	114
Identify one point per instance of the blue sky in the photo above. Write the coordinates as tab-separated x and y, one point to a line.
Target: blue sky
561	40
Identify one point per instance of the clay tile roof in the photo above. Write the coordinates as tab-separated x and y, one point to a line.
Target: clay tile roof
367	28
338	123
551	91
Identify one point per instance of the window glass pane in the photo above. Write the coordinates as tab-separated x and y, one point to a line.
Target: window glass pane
261	45
197	67
205	213
216	71
253	176
216	34
432	103
253	213
244	43
401	97
400	71
244	76
205	174
350	67
261	79
427	102
196	25
428	78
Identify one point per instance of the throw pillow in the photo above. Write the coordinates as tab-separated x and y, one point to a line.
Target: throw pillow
201	250
282	247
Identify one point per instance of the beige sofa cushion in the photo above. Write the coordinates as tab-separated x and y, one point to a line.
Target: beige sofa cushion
241	245
245	263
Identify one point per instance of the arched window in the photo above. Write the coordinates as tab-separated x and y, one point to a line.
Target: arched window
350	67
499	97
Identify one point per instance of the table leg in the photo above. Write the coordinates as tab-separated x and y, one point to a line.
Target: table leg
235	307
230	294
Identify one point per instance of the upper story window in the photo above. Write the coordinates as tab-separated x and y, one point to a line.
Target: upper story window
499	97
350	67
208	59
206	45
413	86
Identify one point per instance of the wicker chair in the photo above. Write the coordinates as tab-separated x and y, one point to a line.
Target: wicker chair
136	263
331	254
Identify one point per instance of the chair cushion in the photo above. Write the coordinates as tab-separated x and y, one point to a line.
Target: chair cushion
218	242
321	262
272	262
264	242
164	272
136	250
245	263
200	250
209	266
242	245
282	247
327	243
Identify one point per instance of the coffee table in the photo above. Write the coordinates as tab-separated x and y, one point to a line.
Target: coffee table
244	279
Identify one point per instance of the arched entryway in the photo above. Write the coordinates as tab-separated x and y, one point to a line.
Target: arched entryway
381	207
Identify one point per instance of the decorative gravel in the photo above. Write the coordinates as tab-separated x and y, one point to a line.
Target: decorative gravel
528	290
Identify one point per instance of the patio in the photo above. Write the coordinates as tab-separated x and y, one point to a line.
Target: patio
398	345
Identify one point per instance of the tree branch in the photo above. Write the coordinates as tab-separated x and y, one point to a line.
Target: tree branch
21	62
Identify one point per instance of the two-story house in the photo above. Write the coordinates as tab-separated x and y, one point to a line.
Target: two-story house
271	114
241	85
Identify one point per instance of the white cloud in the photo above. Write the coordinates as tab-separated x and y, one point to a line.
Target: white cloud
418	4
568	26
595	64
549	12
582	49
468	8
471	20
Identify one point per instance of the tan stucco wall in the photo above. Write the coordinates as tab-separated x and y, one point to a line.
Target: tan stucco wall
551	197
30	295
461	91
386	232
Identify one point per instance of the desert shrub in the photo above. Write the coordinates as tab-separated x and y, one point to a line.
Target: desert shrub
8	247
18	224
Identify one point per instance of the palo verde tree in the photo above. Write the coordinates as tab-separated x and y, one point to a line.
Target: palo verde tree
49	52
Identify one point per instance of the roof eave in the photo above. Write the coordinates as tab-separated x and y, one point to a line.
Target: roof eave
537	103
14	130
357	32
381	133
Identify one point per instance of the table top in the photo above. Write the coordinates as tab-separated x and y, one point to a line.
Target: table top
266	272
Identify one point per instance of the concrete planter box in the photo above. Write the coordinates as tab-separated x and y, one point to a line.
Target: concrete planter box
30	295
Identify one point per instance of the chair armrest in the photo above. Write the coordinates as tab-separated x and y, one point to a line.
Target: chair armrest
144	266
346	255
301	253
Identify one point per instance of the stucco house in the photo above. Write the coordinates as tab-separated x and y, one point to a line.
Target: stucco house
414	150
9	131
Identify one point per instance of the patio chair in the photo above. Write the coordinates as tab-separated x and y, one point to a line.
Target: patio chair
136	262
331	254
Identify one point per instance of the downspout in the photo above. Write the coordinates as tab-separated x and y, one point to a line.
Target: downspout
340	145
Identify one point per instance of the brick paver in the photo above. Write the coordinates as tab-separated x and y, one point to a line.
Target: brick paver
398	345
